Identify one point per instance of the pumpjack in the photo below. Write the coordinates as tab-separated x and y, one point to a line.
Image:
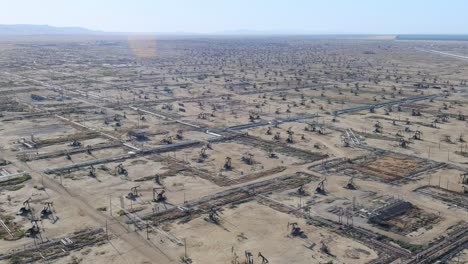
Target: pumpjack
404	143
264	260
350	185
34	230
213	216
75	143
271	154
248	158
321	187
133	194
324	248
26	209
378	127
92	171
228	164
121	170
301	191
180	134
295	230
277	136
167	140
47	210
157	179
248	257
159	196
202	156
417	135
464	178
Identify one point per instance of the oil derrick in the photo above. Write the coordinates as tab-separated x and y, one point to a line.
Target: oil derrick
350	184
120	170
159	195
264	260
321	187
167	140
47	210
277	136
248	257
92	171
247	158
179	135
378	127
295	230
26	209
417	135
228	164
133	194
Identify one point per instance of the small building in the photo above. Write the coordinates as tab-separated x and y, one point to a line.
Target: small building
138	134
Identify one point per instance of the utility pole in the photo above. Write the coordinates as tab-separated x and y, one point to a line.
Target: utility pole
110	204
147	229
185	245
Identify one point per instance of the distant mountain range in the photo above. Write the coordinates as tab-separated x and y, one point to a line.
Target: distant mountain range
22	29
26	29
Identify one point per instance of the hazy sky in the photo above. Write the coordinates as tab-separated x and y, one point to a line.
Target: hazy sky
281	16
